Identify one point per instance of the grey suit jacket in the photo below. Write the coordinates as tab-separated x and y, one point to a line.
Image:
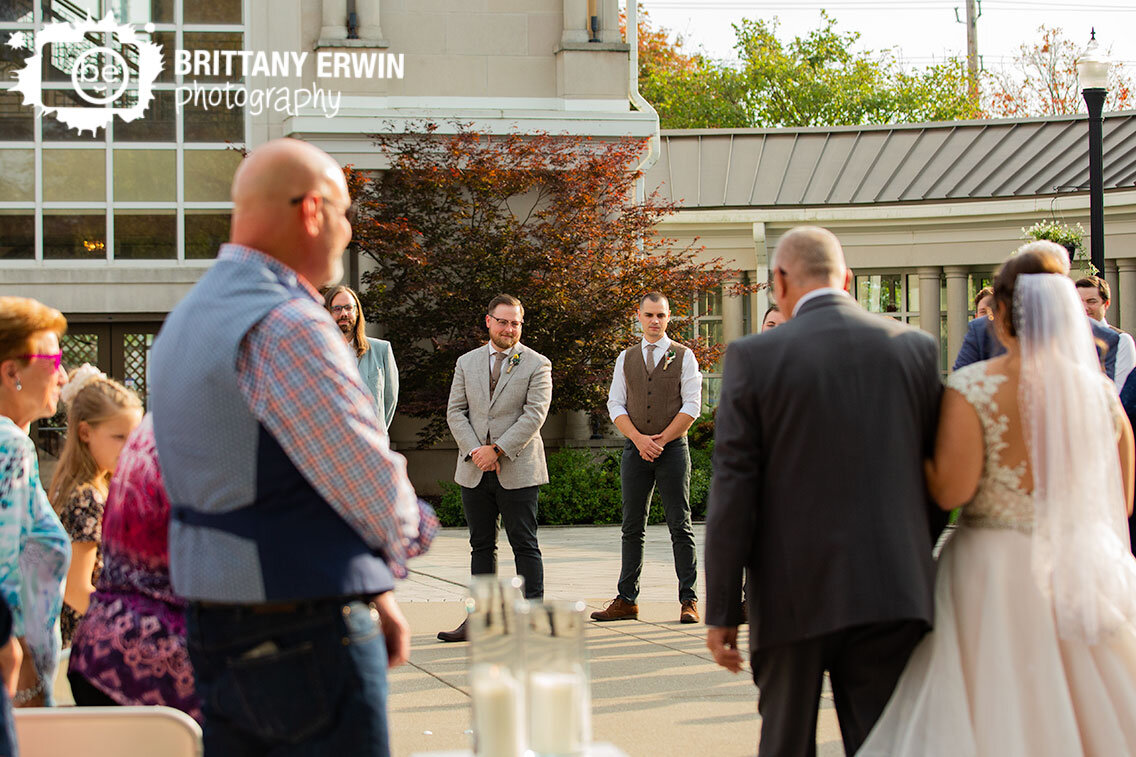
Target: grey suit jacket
818	485
512	417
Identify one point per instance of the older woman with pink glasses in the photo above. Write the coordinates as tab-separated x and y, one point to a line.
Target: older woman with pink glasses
34	548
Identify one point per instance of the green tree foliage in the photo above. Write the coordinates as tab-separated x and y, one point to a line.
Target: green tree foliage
689	91
817	80
823	80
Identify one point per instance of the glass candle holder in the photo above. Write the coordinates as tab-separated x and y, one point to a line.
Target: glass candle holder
557	682
496	670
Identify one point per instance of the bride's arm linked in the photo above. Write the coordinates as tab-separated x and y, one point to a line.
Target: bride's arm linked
1124	446
953	472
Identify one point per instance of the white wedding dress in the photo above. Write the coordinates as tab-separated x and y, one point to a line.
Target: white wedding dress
995	678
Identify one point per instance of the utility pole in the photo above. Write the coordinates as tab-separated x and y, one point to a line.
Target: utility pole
973	13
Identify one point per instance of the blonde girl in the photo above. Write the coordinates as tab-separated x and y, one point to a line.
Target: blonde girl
100	416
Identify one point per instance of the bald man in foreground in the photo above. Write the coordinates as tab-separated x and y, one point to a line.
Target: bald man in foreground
290	516
818	490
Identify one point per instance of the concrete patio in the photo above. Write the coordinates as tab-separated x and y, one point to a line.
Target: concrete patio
655	688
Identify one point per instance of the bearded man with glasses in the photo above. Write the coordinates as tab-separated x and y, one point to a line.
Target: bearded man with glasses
498	402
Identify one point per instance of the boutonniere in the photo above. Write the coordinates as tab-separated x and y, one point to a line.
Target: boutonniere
513	361
669	358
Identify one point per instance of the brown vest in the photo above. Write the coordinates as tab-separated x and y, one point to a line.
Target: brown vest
653	399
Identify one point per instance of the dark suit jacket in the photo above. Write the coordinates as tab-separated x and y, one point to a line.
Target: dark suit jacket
1128	400
981	344
818	487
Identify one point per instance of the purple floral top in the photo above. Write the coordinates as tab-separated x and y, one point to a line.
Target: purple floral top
131	642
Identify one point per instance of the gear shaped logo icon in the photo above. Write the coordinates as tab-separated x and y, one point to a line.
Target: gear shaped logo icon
114	78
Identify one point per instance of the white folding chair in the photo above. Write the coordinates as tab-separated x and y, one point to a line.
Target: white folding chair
107	732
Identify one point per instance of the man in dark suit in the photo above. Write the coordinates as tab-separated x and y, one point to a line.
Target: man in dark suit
818	490
980	343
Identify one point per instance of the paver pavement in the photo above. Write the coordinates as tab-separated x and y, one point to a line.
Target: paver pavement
655	688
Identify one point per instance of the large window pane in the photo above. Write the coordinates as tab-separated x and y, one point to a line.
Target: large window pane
145	175
143	11
18	11
209	174
74	175
17	167
17	121
216	41
880	293
212	12
710	303
205	232
71	10
17	234
55	130
213	124
74	235
150	235
157	124
13	58
913	292
168	43
60	58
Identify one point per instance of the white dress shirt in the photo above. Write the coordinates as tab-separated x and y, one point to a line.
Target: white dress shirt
1125	357
691	387
816	293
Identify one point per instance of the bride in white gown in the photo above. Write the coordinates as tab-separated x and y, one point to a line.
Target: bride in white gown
1034	647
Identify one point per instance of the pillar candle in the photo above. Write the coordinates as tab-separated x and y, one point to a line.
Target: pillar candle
497	713
556	713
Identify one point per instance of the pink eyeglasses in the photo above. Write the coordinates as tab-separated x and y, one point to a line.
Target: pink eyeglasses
57	358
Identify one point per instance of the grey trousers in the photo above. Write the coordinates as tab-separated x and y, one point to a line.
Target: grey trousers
671	472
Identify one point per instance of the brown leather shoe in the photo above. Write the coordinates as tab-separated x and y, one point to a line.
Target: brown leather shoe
458	634
617	609
689	612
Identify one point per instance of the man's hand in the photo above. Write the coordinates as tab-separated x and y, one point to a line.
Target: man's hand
395	629
723	644
648	448
485	457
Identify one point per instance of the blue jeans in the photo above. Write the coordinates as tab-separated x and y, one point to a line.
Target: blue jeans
671	471
290	682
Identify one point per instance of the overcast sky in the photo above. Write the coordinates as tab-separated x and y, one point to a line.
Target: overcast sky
922	30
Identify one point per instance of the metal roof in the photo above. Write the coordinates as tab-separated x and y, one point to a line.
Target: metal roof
858	165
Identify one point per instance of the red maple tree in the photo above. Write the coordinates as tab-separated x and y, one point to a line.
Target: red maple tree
461	217
1042	81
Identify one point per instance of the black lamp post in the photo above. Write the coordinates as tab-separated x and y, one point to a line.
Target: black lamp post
1092	71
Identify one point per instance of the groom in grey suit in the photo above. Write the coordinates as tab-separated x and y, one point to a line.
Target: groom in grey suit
498	402
818	491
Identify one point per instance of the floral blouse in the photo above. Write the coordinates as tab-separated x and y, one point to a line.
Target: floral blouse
34	552
82	517
130	644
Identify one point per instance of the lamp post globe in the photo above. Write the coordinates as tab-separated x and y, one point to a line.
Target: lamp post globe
1092	73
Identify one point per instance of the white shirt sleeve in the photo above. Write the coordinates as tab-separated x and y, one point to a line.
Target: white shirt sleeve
617	394
1125	360
691	386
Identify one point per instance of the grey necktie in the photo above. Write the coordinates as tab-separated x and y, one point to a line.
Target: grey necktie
495	370
651	357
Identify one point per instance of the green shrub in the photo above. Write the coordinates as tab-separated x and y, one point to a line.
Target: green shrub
584	487
449	510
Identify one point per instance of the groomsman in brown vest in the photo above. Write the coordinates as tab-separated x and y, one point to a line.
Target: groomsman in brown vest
656	393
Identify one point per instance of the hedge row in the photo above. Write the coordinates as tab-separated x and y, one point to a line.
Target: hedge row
583	485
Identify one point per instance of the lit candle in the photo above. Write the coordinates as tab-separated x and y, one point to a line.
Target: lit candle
497	713
557	713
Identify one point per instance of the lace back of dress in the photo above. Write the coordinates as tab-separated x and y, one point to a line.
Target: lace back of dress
1003	497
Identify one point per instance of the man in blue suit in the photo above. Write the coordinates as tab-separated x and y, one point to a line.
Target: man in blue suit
980	343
